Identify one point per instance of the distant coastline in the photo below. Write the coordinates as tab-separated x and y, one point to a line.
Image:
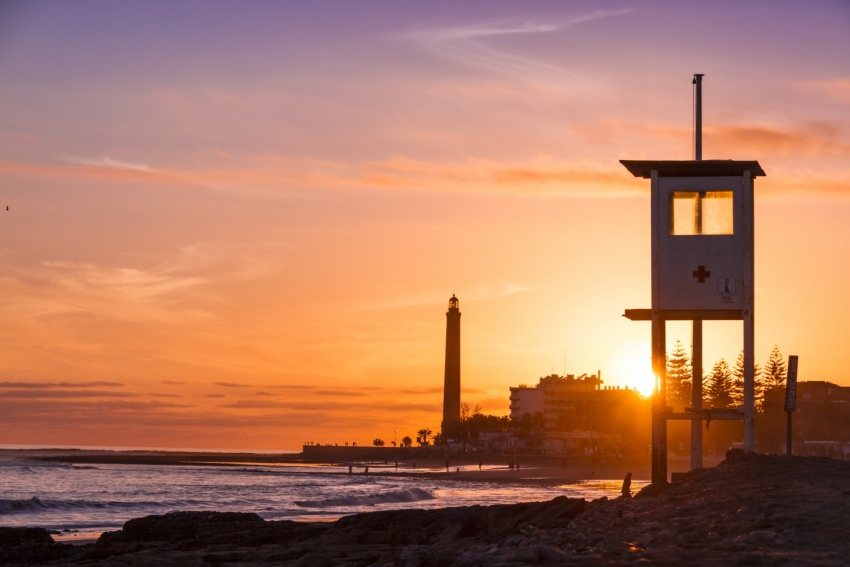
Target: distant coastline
426	462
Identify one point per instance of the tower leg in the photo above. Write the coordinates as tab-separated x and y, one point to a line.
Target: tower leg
659	401
696	394
662	421
749	384
656	442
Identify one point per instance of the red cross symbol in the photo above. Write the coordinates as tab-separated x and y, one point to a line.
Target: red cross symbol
701	274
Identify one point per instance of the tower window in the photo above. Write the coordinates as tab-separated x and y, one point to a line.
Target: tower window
701	212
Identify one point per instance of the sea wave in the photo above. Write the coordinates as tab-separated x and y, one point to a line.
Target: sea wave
35	504
393	496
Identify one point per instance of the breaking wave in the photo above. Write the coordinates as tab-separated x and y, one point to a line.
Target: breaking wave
411	495
35	504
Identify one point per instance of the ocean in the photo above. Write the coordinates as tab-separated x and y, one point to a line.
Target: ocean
82	501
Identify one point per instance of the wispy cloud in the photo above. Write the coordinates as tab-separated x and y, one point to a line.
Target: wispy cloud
541	176
813	138
231	385
348	393
473	45
437	297
130	283
104	161
331	406
51	385
837	89
29	393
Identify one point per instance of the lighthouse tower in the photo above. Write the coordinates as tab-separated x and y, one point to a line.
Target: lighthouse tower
451	385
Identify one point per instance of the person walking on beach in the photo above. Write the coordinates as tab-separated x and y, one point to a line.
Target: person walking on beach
627	486
350	468
480	463
414	466
447	465
366	472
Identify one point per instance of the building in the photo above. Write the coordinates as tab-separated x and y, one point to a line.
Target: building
451	378
575	414
820	424
556	395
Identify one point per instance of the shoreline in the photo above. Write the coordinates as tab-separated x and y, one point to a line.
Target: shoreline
749	510
533	470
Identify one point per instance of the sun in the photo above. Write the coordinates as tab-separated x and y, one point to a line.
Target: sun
631	365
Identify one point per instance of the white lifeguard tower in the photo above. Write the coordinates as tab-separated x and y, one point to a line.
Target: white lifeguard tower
702	269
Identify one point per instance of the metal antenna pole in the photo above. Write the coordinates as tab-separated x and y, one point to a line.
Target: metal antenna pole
696	333
698	127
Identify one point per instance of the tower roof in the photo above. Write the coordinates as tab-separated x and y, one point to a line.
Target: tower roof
692	168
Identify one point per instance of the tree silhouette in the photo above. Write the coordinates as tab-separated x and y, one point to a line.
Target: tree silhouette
774	370
538	422
467	413
719	391
406	441
679	374
378	442
422	436
738	382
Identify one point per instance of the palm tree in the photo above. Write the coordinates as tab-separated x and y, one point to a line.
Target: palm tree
406	441
423	435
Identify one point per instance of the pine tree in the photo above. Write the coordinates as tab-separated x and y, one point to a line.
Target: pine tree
679	374
774	370
719	391
738	382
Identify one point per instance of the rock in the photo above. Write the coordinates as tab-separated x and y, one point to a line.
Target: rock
735	455
754	509
11	537
651	490
412	556
314	560
549	554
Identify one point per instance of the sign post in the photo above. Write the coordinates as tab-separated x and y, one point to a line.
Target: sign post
791	394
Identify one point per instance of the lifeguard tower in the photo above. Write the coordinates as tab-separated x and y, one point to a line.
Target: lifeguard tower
702	269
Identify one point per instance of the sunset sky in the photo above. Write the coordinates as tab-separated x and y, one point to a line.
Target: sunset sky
238	224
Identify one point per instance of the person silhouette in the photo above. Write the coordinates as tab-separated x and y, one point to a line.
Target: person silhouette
627	486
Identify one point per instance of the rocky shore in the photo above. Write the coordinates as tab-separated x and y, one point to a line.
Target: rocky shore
749	510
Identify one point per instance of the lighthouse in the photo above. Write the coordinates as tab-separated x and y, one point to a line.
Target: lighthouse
451	384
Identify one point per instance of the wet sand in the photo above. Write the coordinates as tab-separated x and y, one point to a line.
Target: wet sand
552	471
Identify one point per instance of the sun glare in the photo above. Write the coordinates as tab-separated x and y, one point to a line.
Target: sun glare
631	366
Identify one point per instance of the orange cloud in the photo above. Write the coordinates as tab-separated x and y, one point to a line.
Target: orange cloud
838	89
819	138
275	176
816	138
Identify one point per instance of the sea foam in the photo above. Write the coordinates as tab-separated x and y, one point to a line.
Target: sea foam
35	504
393	496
